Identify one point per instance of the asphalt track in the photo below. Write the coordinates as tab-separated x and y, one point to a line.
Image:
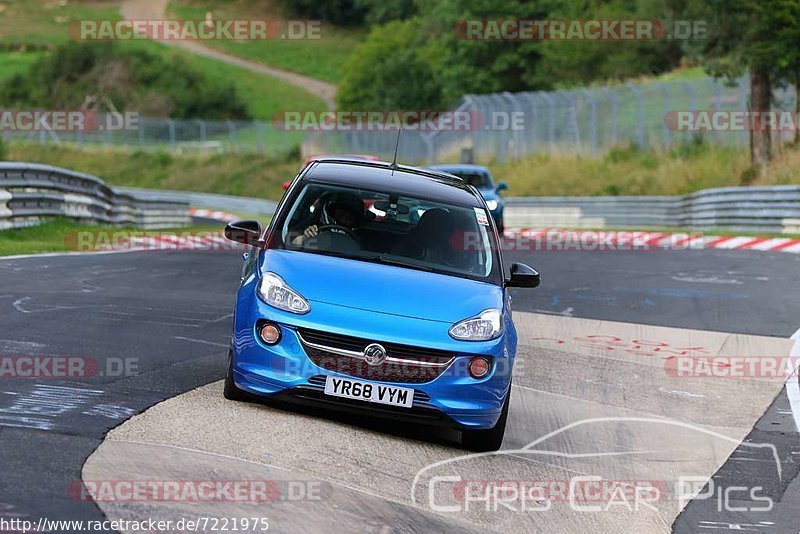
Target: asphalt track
168	313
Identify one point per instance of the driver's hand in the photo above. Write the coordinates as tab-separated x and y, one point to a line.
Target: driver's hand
311	231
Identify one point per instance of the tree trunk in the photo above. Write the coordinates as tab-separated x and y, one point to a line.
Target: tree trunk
760	134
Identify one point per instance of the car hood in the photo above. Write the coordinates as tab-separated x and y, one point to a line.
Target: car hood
382	288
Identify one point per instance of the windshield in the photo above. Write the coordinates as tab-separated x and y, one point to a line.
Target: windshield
480	180
394	230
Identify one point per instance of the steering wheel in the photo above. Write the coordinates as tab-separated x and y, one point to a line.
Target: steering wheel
338	229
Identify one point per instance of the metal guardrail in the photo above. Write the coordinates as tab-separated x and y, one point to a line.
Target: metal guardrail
246	205
30	193
772	209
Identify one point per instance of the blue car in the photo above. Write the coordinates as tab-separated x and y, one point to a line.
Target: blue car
481	178
378	289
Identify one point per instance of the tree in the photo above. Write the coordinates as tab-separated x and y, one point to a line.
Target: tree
761	38
389	72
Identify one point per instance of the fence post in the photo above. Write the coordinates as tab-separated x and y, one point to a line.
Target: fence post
551	123
639	114
532	137
260	136
172	140
516	135
592	119
744	87
690	92
612	98
203	133
717	99
662	88
231	135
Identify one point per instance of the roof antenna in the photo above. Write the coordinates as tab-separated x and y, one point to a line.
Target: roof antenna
394	166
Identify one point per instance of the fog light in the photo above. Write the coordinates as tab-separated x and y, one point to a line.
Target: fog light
270	333
479	367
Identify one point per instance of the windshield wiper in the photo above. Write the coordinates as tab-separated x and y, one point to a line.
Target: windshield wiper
396	263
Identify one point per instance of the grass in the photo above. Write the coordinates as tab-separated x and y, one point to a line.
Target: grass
250	175
12	63
322	58
57	235
629	171
45	22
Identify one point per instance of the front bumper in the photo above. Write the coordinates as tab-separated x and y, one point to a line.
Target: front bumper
284	371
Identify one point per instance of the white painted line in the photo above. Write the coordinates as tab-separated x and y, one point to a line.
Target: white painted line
792	388
736	242
769	244
793	249
224	345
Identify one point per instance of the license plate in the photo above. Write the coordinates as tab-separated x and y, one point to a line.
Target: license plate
368	391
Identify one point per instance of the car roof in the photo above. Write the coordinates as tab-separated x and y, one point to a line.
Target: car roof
460	167
404	181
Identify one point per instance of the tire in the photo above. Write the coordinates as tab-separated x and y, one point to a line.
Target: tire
491	439
231	391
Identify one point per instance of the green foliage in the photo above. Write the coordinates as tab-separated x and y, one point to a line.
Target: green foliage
575	63
463	66
339	12
390	71
749	36
129	77
383	11
2	150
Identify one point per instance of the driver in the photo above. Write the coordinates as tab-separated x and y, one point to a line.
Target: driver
346	210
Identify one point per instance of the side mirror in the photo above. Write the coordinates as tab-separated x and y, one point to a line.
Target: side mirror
502	186
523	276
246	232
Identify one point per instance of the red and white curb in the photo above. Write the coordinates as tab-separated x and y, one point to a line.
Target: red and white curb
558	239
213	214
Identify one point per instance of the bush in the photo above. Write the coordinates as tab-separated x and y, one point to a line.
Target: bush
389	71
128	77
340	12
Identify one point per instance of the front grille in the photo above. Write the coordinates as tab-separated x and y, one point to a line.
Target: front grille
343	354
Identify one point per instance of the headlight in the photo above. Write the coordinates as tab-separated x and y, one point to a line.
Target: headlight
491	204
485	326
274	291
